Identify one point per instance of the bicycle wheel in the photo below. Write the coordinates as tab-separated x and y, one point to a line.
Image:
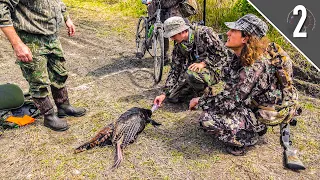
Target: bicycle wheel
141	35
158	50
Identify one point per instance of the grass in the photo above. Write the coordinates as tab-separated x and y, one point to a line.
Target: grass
119	13
179	149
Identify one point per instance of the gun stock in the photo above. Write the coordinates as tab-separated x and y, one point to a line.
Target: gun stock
291	159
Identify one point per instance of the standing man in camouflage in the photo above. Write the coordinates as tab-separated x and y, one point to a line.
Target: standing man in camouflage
196	60
230	115
32	29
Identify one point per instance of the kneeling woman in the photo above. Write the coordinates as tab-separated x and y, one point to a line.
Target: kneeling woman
230	114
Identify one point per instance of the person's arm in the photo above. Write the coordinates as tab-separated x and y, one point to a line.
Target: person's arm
64	11
215	53
176	68
7	7
230	98
70	26
22	52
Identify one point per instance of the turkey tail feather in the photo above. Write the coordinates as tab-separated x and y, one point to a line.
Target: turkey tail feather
103	138
118	157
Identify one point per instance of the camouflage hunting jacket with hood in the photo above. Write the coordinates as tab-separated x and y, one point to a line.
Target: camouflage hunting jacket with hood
242	85
203	45
33	16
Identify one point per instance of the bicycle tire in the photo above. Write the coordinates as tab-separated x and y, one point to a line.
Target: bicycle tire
141	35
158	50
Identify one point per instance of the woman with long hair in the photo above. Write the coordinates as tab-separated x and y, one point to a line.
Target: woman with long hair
230	115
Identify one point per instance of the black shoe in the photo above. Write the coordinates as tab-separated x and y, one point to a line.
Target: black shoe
236	151
174	100
55	123
65	110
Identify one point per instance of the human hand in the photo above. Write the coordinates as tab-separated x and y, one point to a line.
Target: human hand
193	103
159	99
197	66
70	27
22	52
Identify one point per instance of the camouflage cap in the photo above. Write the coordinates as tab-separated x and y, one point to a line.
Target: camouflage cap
251	24
173	26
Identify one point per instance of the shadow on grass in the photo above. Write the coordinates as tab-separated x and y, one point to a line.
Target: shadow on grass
121	64
186	138
149	95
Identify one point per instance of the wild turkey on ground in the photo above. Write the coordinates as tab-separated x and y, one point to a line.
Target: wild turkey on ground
122	132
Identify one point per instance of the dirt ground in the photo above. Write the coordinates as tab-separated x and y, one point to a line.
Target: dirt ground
106	79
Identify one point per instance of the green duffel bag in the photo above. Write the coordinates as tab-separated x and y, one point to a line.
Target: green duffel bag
11	96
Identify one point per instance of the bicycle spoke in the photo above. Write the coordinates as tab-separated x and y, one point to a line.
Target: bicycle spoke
141	37
158	49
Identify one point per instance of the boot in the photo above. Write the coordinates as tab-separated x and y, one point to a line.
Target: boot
236	151
50	119
61	99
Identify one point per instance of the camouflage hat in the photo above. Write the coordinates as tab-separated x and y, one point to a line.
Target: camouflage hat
251	24
173	26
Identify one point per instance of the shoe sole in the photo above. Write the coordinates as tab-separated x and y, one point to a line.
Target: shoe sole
58	130
66	115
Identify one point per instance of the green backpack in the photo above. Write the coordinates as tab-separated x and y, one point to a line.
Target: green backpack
281	65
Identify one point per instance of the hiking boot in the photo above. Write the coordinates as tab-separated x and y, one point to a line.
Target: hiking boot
50	118
174	100
65	110
52	121
236	151
61	99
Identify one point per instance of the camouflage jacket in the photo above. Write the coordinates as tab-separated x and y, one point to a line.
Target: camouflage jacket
242	85
36	16
203	45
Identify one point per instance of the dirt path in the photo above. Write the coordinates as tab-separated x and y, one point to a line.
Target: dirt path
106	79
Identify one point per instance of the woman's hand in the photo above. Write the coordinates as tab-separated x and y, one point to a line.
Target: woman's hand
193	103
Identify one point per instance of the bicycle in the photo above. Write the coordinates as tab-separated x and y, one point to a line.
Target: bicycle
149	37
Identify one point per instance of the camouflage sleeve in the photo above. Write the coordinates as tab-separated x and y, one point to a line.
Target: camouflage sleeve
64	11
176	68
6	8
236	93
214	53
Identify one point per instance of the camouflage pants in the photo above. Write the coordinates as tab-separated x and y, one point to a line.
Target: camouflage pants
47	66
193	84
237	128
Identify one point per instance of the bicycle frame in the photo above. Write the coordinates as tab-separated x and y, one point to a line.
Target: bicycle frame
150	34
157	15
